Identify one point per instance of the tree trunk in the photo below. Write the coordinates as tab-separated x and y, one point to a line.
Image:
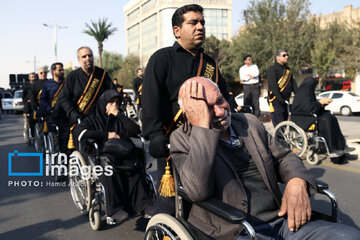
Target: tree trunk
100	48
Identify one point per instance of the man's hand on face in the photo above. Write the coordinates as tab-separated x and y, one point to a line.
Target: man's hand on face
296	204
195	105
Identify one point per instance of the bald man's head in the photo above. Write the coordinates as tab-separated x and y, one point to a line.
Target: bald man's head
203	89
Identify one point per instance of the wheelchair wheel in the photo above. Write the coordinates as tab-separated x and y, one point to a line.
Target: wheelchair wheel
164	226
291	136
39	142
95	217
312	157
79	184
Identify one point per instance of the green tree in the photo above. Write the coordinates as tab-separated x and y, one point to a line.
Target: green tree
67	71
221	52
127	72
111	62
322	57
100	31
272	25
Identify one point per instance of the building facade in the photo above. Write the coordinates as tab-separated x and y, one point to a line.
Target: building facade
349	15
148	23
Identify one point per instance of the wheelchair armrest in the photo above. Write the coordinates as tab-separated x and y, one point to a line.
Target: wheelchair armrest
321	186
303	114
218	208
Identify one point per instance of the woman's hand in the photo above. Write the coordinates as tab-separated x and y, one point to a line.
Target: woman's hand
112	108
112	135
325	101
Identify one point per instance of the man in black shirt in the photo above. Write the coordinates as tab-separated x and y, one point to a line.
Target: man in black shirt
36	88
83	87
27	96
166	70
137	87
281	84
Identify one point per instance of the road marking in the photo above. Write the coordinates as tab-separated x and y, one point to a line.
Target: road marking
342	167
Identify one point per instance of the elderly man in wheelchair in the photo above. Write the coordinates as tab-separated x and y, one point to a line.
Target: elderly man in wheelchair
232	159
104	144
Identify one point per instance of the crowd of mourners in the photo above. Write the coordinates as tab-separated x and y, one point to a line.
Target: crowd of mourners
186	113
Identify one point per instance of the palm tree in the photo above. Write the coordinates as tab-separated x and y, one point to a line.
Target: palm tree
100	31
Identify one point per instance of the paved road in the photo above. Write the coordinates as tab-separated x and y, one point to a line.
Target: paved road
47	212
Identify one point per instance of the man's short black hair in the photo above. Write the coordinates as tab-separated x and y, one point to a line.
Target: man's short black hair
246	56
178	16
53	66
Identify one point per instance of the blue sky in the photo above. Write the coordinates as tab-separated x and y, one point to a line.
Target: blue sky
23	35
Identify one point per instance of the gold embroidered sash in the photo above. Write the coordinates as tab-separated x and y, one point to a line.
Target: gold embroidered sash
282	83
205	69
56	95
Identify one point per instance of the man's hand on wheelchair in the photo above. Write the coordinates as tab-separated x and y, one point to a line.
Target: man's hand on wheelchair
296	204
112	135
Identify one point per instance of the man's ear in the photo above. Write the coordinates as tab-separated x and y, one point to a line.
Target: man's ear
176	31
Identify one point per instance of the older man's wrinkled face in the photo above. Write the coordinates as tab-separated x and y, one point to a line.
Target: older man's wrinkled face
218	107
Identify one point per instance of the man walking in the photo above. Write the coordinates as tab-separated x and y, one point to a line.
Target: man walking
249	77
281	84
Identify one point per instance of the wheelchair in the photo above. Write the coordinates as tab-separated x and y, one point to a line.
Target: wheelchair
164	226
87	192
306	142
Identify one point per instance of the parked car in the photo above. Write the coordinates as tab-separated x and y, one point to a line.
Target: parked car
12	103
264	105
345	103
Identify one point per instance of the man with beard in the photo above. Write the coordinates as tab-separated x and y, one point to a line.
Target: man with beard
241	164
49	106
83	87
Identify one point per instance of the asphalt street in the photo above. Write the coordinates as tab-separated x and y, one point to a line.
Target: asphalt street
35	208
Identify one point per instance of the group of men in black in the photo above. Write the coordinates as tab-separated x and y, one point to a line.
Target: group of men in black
86	104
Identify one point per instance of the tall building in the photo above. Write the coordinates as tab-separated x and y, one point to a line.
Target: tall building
148	23
349	15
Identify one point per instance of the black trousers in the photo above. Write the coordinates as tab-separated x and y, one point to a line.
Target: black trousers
251	97
280	114
329	129
126	190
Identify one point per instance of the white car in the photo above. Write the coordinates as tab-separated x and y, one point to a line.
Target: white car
343	102
10	103
264	105
130	93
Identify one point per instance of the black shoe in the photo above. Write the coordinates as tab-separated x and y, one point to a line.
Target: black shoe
150	211
120	216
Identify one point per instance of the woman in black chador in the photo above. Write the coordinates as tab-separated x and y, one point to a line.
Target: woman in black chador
305	102
126	190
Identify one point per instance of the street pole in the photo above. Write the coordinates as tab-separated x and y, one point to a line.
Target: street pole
55	26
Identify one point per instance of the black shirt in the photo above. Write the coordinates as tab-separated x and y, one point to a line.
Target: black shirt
136	85
74	86
274	73
35	89
167	69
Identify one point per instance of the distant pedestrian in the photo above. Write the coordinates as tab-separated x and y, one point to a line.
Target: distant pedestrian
249	77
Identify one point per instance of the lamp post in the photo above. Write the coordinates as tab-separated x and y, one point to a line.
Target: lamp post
55	26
